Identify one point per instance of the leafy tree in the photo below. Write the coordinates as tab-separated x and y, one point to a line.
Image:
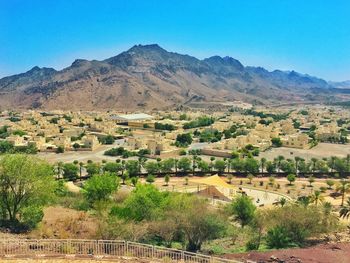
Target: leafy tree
134	180
184	164
60	149
26	185
167	165
132	167
251	165
70	171
270	167
166	179
100	187
152	167
183	140
220	165
291	178
108	139
203	166
276	142
144	203
243	210
150	179
112	167
92	169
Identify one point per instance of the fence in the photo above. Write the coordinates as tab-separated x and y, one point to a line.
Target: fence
10	248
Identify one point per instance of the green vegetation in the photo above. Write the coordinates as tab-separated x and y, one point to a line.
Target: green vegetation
7	147
200	122
108	139
26	186
183	140
166	126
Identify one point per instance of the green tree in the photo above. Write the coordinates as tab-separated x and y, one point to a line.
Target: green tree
26	186
343	188
92	169
132	167
184	164
166	179
100	187
150	179
330	183
276	142
291	178
243	210
183	140
251	165
152	167
220	165
70	171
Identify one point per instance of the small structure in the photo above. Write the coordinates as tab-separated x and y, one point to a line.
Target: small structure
215	188
131	117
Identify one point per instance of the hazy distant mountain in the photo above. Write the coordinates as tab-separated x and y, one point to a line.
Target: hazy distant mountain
147	76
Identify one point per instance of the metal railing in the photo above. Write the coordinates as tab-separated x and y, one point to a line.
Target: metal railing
10	248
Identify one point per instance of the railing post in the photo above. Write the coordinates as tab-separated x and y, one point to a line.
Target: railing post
152	252
127	248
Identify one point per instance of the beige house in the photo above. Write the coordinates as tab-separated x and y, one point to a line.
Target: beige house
297	140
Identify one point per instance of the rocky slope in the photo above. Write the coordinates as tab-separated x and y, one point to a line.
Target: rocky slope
149	77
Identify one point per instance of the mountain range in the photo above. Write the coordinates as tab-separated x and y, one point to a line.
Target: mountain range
149	77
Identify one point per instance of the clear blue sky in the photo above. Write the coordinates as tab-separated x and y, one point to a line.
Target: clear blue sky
308	36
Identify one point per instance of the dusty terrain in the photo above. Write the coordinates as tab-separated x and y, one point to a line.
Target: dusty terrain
328	253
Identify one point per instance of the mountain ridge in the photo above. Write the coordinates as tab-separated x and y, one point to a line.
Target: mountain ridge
150	77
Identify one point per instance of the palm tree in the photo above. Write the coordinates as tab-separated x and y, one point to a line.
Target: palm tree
141	161
175	165
280	158
212	159
282	201
313	160
81	165
316	197
59	169
343	188
345	210
263	164
297	159
347	161
332	162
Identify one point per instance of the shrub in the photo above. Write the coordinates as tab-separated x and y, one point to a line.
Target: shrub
278	237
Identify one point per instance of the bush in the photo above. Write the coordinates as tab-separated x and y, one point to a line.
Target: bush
31	216
278	237
100	187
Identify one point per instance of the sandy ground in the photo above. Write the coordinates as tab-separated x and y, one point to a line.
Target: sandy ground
320	151
328	253
96	156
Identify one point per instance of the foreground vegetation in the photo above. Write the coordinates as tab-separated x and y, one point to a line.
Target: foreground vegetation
143	213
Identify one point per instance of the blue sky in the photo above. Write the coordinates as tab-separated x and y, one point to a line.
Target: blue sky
307	36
